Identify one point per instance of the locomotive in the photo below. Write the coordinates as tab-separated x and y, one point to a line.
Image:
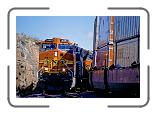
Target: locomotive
62	64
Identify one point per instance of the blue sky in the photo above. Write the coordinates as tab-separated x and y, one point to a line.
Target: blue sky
78	29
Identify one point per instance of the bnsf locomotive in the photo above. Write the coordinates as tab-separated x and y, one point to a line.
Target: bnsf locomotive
62	64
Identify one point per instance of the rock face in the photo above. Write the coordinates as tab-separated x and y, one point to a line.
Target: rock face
27	58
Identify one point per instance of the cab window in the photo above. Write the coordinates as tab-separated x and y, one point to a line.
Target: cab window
64	46
48	46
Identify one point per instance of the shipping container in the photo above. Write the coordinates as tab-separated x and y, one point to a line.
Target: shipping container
126	52
102	55
103	41
104	30
126	27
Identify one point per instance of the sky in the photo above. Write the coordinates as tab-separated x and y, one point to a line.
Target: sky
78	29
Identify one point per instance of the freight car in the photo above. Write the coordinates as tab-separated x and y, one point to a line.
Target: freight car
116	55
61	64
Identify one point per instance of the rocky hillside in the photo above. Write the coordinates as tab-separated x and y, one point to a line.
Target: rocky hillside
27	58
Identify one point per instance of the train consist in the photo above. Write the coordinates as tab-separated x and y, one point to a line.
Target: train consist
116	61
114	64
62	64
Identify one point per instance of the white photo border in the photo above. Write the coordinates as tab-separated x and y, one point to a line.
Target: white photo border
111	103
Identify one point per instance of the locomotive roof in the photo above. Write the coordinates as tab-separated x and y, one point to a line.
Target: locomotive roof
61	41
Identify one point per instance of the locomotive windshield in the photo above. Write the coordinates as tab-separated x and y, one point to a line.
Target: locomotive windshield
64	46
48	46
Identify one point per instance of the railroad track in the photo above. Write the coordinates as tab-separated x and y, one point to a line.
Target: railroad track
76	94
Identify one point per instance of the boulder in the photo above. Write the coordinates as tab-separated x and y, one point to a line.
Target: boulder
27	58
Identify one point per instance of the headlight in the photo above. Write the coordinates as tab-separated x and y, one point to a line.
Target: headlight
63	69
46	69
55	54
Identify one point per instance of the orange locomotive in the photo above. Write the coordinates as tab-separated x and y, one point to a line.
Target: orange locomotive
58	62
